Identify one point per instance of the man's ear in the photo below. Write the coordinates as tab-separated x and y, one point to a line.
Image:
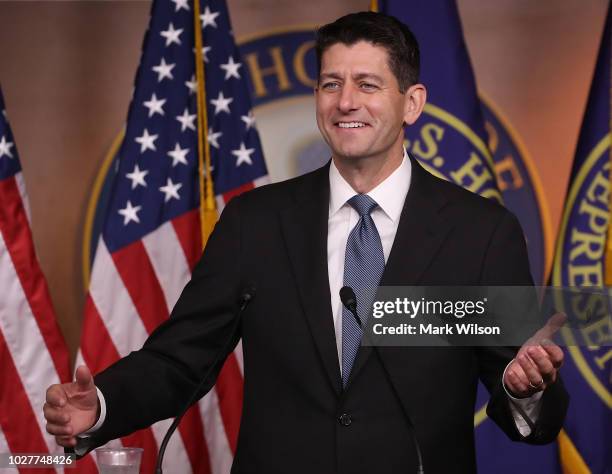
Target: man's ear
414	101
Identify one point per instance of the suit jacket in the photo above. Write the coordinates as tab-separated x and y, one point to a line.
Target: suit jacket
275	238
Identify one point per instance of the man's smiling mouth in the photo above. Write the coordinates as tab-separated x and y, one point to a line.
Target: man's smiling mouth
351	124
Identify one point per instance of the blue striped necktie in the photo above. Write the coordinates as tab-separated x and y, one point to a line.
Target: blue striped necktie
364	262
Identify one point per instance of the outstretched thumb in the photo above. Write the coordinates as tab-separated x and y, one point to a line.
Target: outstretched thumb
84	379
554	323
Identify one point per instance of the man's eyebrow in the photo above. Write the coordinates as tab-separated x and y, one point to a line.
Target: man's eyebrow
359	76
368	75
330	75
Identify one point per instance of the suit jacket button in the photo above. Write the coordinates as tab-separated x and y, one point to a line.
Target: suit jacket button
345	419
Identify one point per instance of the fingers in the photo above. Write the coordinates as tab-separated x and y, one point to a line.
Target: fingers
554	352
56	395
71	408
538	361
533	377
55	415
525	376
516	380
58	422
59	430
66	441
534	368
544	368
84	379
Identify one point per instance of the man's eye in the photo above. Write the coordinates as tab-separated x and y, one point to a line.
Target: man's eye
330	85
368	86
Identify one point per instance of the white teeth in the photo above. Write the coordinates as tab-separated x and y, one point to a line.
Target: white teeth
351	124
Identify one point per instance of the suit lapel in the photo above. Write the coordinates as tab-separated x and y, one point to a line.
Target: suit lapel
420	233
304	227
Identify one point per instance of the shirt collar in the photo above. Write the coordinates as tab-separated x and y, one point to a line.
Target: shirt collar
390	194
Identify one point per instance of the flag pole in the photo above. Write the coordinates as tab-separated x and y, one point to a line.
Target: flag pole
208	208
608	254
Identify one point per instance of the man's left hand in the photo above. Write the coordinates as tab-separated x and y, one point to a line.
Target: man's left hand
537	362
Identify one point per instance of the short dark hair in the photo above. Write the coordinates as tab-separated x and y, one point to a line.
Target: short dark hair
380	30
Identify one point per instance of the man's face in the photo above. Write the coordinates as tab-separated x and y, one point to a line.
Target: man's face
360	111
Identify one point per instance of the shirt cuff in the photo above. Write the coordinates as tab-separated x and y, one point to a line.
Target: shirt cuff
530	406
101	418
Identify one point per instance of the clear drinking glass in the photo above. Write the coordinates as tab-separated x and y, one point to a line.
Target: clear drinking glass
119	460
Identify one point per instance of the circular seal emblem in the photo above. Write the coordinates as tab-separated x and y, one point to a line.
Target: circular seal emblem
580	262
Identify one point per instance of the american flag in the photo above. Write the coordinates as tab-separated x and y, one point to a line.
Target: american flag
33	354
151	236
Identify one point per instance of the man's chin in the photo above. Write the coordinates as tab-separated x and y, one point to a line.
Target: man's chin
351	154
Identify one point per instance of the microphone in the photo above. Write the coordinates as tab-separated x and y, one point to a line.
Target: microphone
246	297
349	300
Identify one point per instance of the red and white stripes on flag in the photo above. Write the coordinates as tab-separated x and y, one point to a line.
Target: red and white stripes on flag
33	354
150	237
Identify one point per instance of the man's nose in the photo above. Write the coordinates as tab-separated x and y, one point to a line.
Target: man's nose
349	99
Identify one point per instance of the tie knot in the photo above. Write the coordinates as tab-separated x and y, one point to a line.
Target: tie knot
363	204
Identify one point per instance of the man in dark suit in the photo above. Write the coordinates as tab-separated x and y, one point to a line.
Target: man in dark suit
314	401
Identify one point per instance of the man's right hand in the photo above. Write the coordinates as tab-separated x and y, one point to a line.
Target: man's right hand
72	408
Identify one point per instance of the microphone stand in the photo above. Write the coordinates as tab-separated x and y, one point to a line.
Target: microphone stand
245	298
